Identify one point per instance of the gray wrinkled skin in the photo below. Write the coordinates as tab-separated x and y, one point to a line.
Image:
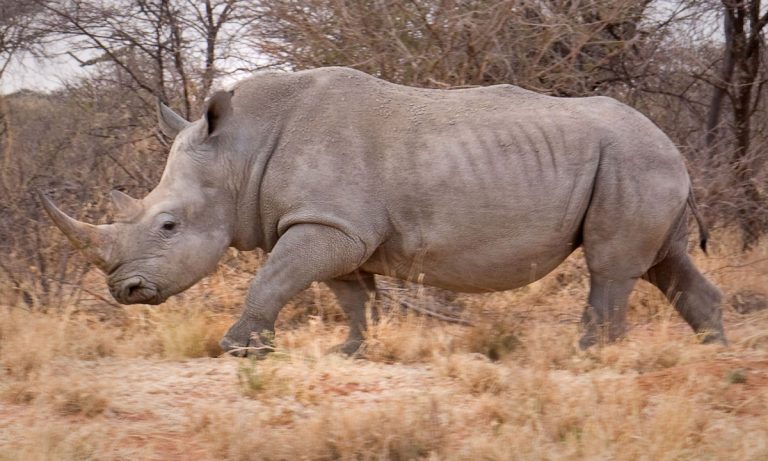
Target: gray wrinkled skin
341	176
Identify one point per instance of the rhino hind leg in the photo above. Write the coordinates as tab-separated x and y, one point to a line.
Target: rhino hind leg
353	293
604	319
692	295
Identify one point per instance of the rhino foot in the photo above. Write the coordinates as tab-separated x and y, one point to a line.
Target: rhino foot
713	337
587	341
243	340
601	336
350	347
232	347
254	348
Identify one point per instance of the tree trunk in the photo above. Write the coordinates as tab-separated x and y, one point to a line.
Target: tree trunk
739	81
721	87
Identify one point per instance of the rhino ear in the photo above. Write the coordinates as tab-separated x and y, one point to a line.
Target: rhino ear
170	122
217	110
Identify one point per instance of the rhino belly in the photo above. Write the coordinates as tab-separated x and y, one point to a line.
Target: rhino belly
506	261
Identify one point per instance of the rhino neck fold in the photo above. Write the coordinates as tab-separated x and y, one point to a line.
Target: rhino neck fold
251	231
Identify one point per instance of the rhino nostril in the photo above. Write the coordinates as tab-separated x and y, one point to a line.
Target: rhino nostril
134	290
131	288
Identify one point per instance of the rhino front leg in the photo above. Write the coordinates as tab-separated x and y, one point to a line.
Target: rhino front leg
353	294
304	253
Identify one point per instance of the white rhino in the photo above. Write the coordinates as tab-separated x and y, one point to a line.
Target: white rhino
340	176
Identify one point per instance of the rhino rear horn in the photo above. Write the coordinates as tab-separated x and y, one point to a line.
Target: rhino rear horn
125	205
93	241
170	122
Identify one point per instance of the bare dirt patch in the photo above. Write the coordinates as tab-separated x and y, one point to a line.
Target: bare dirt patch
316	405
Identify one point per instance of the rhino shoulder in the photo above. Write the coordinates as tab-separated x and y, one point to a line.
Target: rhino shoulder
313	80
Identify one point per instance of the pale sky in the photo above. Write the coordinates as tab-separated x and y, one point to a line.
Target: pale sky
46	74
28	72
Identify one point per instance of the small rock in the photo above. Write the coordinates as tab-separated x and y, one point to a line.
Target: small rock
737	376
748	301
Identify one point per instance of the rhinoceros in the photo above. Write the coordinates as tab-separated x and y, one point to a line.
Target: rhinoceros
340	176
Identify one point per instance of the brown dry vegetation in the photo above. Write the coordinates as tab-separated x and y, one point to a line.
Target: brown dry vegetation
145	383
83	378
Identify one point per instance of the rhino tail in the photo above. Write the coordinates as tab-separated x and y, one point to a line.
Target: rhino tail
703	232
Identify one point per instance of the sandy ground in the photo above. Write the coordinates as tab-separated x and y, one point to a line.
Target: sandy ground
155	406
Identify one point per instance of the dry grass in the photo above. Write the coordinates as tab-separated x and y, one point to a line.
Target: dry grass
56	440
514	386
29	341
403	430
400	338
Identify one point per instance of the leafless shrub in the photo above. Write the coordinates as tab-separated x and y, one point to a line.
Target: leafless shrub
560	48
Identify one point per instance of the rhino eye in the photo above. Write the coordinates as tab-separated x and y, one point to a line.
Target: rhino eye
169	225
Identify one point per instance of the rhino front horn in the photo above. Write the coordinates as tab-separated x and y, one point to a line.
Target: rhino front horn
92	240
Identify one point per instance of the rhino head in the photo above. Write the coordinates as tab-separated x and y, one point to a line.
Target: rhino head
164	243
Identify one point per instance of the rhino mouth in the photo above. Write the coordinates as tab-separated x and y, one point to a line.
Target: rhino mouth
135	290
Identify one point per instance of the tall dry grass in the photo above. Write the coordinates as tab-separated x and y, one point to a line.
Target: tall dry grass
512	386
